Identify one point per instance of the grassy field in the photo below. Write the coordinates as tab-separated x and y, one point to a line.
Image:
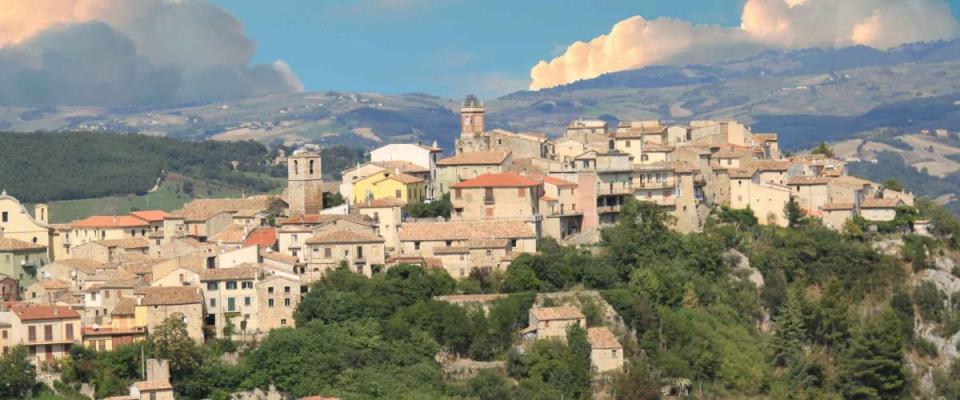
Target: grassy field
168	196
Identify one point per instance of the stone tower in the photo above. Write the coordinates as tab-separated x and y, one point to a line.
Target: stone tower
304	183
472	138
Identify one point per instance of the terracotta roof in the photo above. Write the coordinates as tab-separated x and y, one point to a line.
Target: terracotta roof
808	180
404	166
203	209
476	158
657	148
110	222
549	199
126	243
731	152
383	203
451	250
343	236
11	244
402	178
324	219
553	181
233	233
770	165
506	179
765	137
173	295
279	257
837	206
34	312
123	283
243	271
486	243
54	284
125	306
152	386
150	215
880	203
553	313
262	237
741	173
426	231
850	182
602	338
81	264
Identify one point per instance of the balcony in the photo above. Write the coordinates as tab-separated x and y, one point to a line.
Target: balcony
614	191
608	209
664	184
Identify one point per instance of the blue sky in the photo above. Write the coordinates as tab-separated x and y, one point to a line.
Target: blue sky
442	47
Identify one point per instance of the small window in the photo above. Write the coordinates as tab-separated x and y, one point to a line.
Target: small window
213	303
270	290
211	285
327	252
457	194
270	303
521	192
247	285
397	193
416	245
231	285
286	289
246	301
286	302
5	217
283	321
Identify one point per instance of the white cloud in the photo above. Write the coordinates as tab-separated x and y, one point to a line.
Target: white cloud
194	43
780	24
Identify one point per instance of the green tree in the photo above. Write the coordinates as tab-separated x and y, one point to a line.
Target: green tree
823	149
793	212
874	367
892	184
170	341
437	208
17	375
789	330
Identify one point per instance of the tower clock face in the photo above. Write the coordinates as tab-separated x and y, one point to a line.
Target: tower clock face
466	121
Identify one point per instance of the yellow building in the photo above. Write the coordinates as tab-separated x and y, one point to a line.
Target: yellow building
384	184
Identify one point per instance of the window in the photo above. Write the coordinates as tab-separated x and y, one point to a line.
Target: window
69	331
628	143
296	167
106	294
283	321
286	302
247	285
211	286
231	285
48	332
457	194
4	334
488	195
311	167
613	353
6	217
32	334
327	252
397	193
286	289
213	303
270	303
416	245
231	304
246	301
270	290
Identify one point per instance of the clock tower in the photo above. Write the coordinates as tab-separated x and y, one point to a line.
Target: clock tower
471	117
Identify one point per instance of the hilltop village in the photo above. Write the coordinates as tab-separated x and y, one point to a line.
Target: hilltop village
239	267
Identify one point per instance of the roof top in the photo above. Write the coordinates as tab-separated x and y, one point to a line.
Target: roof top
81	264
552	180
343	236
279	257
243	271
770	165
476	158
125	243
233	233
31	312
150	215
808	180
11	244
602	338
324	219
125	306
173	295
152	386
110	222
765	137
404	166
402	177
427	231
552	313
657	148
262	237
837	206
203	209
506	179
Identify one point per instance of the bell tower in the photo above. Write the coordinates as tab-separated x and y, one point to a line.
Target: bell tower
304	182
471	117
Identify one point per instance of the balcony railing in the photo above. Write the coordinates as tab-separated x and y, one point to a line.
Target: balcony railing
488	200
608	209
614	191
655	185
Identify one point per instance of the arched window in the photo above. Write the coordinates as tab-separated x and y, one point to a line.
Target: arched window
311	167
296	167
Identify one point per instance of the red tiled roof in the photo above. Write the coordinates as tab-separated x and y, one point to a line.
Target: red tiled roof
602	338
150	215
506	179
343	236
808	180
477	158
836	206
262	237
552	313
173	295
553	181
108	221
11	244
40	312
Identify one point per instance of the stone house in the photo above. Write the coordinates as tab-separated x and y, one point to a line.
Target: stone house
606	352
277	298
466	166
496	196
552	322
231	298
156	304
48	331
363	252
880	210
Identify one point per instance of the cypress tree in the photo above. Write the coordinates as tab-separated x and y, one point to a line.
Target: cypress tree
874	364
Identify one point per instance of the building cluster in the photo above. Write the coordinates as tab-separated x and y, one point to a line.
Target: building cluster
238	267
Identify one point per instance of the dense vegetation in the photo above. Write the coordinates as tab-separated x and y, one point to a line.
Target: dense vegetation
45	166
832	319
891	165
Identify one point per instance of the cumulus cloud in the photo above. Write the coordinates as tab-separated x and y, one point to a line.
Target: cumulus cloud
765	24
120	52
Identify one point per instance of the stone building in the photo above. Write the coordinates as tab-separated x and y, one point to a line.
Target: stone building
277	299
552	322
606	352
22	260
304	183
156	304
231	296
466	166
363	252
47	331
497	196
